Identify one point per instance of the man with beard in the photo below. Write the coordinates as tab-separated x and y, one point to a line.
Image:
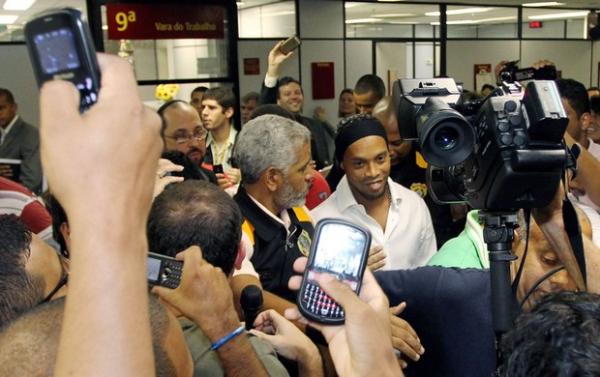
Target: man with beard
274	156
397	217
182	131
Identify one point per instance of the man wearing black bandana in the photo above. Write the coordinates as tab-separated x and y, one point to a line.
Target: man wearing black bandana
398	218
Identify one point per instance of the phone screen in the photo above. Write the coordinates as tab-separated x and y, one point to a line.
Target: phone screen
153	269
57	51
339	252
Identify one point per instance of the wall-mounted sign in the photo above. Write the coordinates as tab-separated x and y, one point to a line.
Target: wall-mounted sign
251	66
323	84
147	21
535	24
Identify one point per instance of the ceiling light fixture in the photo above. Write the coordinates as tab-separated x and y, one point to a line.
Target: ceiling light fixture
555	16
363	20
393	15
546	4
18	4
459	11
6	19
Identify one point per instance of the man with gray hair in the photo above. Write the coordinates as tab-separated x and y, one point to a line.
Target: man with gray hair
274	156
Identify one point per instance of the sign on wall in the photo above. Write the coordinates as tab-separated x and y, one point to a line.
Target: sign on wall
323	83
251	66
147	21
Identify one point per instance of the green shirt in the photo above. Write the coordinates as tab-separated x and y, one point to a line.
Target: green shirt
467	250
208	364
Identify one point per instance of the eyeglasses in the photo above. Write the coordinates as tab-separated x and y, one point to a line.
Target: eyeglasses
186	138
61	283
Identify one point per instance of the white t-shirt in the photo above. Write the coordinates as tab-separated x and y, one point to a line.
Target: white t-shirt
408	239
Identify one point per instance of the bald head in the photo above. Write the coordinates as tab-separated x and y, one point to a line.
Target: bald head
183	130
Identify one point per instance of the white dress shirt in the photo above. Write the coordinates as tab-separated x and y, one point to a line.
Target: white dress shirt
408	239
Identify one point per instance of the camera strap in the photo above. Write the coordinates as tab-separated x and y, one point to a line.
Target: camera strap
527	215
573	230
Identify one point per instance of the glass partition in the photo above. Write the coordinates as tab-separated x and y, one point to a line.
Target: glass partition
372	20
481	22
261	19
546	23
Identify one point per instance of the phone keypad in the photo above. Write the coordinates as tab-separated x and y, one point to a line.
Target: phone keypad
171	275
319	303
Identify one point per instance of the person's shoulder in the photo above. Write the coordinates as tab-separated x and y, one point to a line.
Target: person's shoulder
327	208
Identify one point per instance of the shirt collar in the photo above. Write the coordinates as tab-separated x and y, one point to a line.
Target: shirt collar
5	131
345	198
230	140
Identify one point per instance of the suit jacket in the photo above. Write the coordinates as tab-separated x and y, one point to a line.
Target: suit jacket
23	143
322	138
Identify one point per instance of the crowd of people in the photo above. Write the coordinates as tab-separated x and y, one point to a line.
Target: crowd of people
238	207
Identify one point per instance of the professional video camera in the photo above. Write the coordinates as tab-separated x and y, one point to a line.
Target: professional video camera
511	72
509	156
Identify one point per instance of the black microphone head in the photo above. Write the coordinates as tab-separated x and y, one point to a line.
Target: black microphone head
251	298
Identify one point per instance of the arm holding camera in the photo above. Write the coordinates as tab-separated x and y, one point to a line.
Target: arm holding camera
205	298
107	210
588	171
362	345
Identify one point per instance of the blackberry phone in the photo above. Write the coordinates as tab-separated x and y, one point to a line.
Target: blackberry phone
60	47
164	271
218	169
339	248
290	44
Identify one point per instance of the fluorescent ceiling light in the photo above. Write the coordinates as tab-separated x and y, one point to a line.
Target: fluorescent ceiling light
282	13
18	4
459	11
554	16
387	1
104	27
546	4
351	5
239	3
475	22
363	20
6	19
393	15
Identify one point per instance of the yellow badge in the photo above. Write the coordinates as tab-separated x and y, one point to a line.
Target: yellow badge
419	188
304	242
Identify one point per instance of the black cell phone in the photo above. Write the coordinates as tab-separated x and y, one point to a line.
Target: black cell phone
339	248
290	44
164	271
218	169
60	47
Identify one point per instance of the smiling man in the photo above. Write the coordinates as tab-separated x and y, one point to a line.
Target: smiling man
397	217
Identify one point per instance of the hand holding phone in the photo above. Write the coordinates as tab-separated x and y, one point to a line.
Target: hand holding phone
164	271
60	47
341	249
290	45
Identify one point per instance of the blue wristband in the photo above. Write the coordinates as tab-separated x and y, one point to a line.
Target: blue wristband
216	345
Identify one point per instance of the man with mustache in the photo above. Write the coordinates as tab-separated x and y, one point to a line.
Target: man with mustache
367	196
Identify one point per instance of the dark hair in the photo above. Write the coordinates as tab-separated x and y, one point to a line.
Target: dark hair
199	89
8	94
559	337
344	91
19	291
196	213
593	88
576	93
273	109
487	86
595	104
59	217
286	80
224	97
251	96
370	83
30	343
190	169
161	113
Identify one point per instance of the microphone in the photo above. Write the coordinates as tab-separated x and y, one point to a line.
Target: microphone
251	301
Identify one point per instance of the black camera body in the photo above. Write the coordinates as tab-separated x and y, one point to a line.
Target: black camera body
516	158
512	72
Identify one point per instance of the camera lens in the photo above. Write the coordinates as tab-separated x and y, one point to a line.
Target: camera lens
446	138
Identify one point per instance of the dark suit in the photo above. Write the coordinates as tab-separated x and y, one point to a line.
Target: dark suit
23	143
321	135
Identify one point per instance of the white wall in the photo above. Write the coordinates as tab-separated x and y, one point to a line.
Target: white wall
391	58
358	61
321	19
595	62
260	50
424	60
16	75
322	51
462	55
571	57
